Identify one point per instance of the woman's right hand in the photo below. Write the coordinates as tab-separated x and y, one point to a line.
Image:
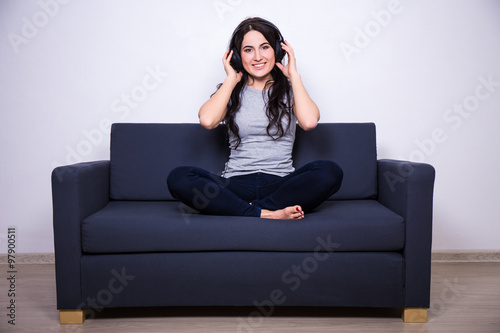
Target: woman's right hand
230	72
214	110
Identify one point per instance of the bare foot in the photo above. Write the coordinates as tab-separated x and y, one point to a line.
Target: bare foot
288	213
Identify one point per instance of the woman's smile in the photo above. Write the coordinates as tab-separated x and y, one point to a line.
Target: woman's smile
259	66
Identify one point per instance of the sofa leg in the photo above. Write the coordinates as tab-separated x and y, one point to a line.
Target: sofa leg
414	315
71	316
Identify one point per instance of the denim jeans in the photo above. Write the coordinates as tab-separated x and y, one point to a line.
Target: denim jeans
246	195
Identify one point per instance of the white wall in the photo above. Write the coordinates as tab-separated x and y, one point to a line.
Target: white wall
67	68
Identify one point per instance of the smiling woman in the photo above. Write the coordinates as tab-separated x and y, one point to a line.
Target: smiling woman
260	102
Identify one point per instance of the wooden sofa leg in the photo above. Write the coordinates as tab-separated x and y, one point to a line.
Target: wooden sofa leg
71	316
414	315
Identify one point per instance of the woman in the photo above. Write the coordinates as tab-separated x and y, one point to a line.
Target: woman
260	102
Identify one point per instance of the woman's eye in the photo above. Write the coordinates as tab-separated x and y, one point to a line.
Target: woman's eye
247	50
265	47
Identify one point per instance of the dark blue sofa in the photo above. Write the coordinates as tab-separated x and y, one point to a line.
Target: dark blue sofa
121	240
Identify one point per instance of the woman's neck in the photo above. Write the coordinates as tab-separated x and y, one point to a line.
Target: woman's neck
259	83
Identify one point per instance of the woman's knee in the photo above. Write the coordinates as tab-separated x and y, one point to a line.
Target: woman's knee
330	168
176	178
332	172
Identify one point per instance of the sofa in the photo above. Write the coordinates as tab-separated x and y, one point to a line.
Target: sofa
121	239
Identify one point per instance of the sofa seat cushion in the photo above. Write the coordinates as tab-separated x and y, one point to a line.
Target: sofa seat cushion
168	226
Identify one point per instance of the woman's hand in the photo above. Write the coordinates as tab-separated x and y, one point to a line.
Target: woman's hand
305	109
290	70
214	110
230	72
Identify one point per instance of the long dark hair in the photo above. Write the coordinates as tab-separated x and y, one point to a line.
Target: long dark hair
279	104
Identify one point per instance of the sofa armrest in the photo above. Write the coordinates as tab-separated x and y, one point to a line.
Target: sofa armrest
78	191
407	189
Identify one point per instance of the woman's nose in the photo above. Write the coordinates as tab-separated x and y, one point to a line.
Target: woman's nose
256	55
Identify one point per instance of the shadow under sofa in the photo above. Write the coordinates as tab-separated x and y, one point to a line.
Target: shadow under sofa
121	240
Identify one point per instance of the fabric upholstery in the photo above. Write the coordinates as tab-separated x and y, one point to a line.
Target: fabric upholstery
407	189
353	225
77	191
142	156
352	146
245	279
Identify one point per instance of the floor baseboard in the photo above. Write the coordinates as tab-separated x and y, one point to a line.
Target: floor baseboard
466	256
30	258
437	256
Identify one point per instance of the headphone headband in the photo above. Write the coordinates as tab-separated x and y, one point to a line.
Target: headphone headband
269	24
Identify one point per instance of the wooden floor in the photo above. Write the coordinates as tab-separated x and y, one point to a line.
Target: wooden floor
465	297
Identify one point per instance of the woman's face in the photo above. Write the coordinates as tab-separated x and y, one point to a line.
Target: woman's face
257	55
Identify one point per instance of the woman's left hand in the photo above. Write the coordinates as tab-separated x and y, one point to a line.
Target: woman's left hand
305	109
291	68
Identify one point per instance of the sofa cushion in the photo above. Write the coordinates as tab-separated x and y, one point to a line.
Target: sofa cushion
135	226
352	146
142	156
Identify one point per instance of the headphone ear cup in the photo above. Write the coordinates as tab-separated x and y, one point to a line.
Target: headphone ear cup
279	53
235	61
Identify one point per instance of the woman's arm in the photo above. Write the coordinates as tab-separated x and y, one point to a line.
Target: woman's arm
214	110
305	109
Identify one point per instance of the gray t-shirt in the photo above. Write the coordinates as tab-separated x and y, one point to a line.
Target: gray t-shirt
258	152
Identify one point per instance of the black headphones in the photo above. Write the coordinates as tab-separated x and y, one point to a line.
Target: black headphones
279	53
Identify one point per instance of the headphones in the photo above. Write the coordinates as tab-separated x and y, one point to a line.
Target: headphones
279	53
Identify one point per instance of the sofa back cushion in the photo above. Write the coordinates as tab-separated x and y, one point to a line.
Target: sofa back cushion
352	146
142	156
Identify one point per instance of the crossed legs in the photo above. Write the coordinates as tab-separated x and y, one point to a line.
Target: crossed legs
258	195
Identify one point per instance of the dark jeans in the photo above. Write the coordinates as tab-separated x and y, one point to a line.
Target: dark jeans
210	194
